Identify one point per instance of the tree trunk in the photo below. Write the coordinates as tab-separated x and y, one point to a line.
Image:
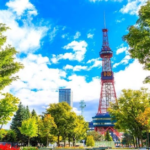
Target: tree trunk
47	141
58	141
133	141
69	140
73	141
139	141
64	142
148	139
28	141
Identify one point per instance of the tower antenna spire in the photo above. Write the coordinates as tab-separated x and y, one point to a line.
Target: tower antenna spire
104	21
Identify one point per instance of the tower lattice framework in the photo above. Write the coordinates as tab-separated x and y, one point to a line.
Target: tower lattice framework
108	93
102	120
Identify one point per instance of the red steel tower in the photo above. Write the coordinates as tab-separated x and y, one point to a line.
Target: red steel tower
102	121
108	93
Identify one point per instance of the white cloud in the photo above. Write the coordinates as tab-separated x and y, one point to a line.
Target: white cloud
131	78
20	6
77	35
132	7
78	52
78	68
121	50
38	83
124	61
95	63
118	21
78	112
26	38
89	35
53	33
64	35
75	68
68	67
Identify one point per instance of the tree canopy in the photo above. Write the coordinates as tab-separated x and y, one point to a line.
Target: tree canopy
8	65
29	128
138	38
96	135
20	115
108	136
129	106
8	105
68	124
45	126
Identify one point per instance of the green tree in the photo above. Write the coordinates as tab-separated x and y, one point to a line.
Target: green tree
69	126
138	38
127	139
59	113
8	105
144	119
10	136
33	113
45	126
27	112
108	136
17	120
96	135
3	133
8	65
29	128
128	107
90	141
79	132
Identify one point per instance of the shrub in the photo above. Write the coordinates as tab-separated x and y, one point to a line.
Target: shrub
90	141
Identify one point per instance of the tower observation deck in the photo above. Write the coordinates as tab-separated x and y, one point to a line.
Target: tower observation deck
102	121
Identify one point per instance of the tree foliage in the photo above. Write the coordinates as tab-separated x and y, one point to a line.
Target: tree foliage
144	118
33	113
10	136
2	134
59	113
138	38
20	115
29	128
129	106
90	141
108	136
68	124
45	126
8	105
8	68
8	65
79	132
96	135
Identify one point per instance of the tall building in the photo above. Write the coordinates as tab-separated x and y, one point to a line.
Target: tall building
66	95
102	121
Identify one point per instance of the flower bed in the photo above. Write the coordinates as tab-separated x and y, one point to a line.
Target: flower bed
8	147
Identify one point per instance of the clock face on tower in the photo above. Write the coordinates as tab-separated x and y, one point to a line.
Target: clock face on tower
107	75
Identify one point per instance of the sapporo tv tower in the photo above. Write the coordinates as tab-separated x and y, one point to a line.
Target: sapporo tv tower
102	121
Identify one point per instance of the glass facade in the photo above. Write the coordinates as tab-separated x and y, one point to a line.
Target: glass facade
65	95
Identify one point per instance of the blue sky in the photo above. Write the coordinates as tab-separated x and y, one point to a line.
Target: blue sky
59	43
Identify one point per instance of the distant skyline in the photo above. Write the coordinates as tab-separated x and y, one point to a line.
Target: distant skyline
59	43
